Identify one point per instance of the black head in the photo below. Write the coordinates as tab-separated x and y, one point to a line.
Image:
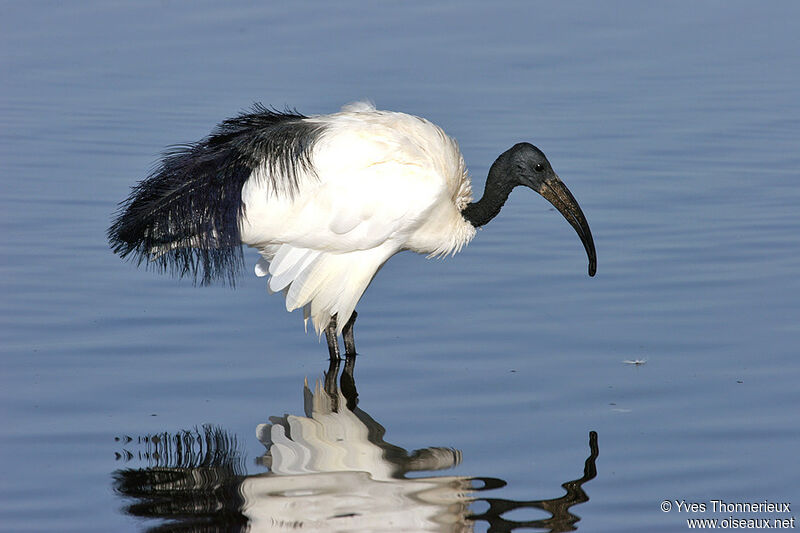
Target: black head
524	164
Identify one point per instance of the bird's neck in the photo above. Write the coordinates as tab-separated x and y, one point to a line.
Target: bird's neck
495	194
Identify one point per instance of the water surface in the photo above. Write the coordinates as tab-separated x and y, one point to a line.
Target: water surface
676	127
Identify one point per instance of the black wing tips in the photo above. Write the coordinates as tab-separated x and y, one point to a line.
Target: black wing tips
184	217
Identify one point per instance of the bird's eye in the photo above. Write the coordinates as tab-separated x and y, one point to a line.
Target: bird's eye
539	167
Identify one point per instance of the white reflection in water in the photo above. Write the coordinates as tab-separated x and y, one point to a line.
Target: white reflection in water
330	470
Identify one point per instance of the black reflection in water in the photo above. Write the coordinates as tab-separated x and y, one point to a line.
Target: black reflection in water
330	470
191	480
558	508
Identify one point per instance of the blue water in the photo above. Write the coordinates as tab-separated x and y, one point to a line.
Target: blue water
676	126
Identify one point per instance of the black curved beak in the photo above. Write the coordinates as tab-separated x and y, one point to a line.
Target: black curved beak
555	192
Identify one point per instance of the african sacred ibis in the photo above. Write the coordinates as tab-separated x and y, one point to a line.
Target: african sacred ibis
325	199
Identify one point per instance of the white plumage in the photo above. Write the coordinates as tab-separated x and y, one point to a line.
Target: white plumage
379	182
326	200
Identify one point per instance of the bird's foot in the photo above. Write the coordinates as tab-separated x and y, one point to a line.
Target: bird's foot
347	336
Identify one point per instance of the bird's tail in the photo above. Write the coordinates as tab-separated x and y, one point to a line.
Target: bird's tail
184	218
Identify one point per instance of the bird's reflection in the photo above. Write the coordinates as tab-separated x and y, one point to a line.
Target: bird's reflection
330	470
191	481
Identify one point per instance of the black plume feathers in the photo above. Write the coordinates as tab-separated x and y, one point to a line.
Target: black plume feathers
184	217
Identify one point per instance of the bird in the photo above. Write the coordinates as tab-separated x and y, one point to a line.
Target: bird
325	199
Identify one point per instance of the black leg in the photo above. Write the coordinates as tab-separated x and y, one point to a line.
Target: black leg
333	342
347	334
